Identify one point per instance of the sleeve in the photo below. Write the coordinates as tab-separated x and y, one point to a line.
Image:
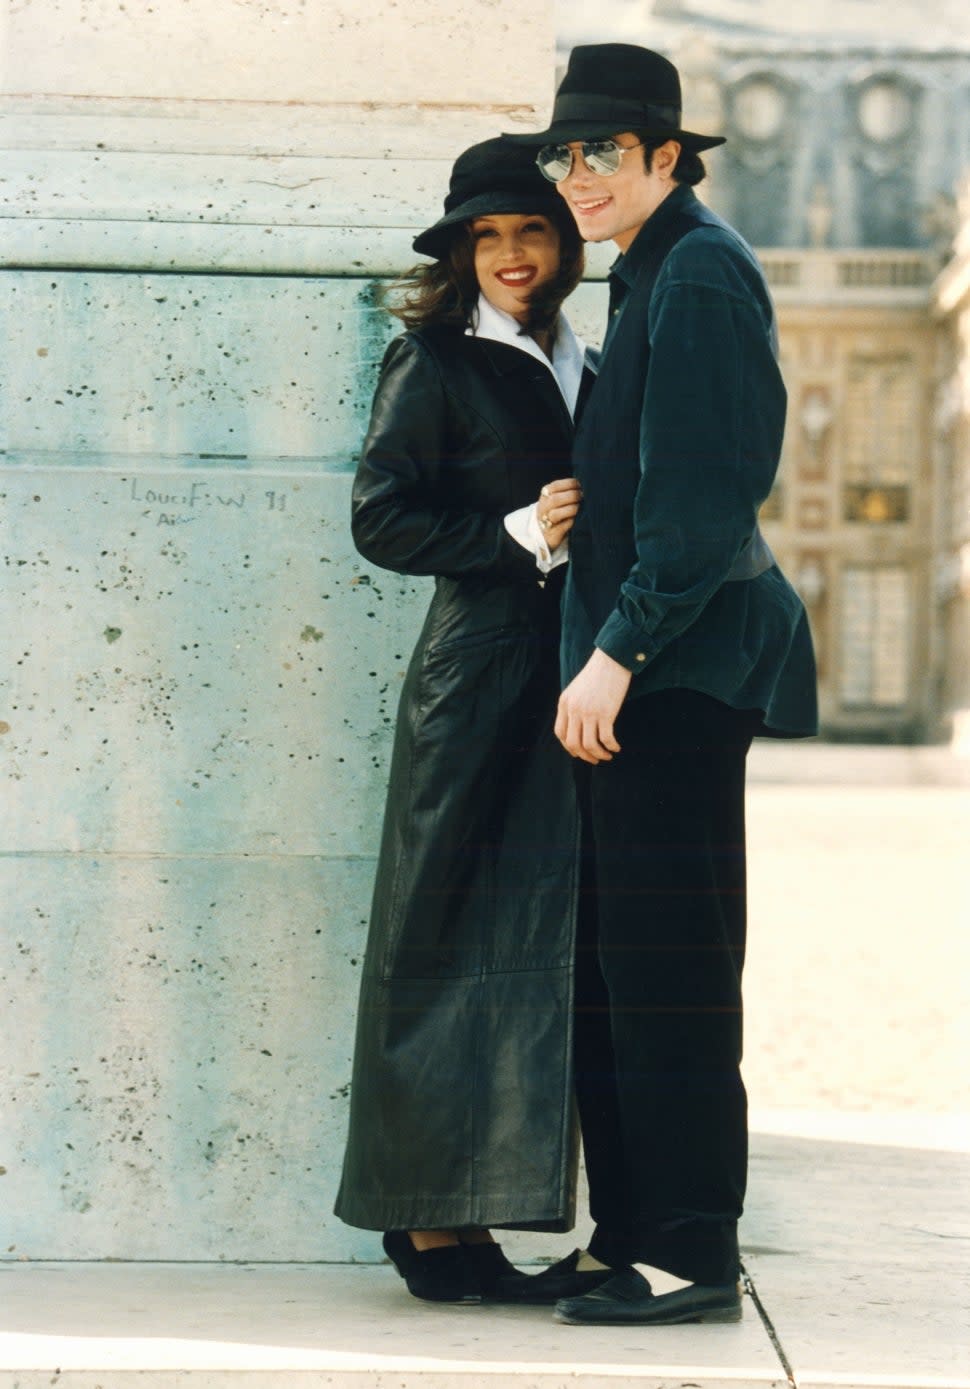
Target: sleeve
523	526
710	437
397	519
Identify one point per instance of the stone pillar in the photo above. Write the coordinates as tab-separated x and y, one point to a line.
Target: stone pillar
951	435
203	675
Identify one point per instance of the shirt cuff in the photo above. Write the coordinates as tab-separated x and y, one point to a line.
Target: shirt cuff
523	526
625	643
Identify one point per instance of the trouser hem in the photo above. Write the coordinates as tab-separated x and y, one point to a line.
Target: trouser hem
702	1251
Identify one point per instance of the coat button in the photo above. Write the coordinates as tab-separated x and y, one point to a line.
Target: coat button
641	656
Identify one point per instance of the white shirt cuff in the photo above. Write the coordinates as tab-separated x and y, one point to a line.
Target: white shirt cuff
523	526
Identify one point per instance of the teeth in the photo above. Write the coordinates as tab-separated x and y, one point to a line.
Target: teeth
515	274
590	207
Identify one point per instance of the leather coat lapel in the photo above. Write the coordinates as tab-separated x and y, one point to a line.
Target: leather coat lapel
535	380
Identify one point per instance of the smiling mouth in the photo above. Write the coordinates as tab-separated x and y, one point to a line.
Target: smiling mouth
516	278
585	209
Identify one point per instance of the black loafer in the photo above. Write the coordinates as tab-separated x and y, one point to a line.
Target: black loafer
490	1266
559	1280
628	1300
435	1275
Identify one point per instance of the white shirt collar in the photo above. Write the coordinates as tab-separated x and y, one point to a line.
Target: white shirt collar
568	351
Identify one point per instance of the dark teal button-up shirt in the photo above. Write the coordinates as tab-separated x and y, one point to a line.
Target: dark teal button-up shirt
676	451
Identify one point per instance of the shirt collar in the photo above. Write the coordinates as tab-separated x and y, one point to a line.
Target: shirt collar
568	351
627	266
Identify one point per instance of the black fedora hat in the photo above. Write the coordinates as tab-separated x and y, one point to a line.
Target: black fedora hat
612	87
492	177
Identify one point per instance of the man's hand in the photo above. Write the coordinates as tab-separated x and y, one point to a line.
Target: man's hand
588	707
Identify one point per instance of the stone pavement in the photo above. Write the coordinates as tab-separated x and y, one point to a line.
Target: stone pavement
857	979
807	762
855	1243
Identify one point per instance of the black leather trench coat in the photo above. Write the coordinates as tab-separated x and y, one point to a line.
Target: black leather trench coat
461	1099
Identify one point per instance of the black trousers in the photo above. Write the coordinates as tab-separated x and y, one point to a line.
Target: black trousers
661	940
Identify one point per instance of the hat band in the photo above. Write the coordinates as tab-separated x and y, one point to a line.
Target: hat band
626	115
518	184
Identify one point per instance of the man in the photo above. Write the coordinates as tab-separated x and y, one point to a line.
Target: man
682	639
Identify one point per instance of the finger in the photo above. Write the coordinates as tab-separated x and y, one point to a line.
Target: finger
561	497
561	725
557	514
561	484
559	531
569	496
573	742
606	735
588	736
591	744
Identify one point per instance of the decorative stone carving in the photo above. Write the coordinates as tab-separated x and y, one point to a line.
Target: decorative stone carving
819	214
816	414
761	111
885	119
810	579
962	241
946	405
813	514
885	109
939	224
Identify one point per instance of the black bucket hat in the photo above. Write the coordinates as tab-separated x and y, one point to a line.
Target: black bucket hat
492	177
612	87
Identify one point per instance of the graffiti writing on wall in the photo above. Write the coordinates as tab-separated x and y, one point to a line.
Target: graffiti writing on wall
180	505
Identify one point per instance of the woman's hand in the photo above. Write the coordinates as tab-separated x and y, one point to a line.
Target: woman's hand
556	509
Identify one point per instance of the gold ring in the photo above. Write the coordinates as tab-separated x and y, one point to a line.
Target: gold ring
544	522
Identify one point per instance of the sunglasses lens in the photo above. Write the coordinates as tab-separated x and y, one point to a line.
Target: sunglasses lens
602	156
555	161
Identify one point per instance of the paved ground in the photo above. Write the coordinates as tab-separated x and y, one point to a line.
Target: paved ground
858	973
857	1233
855	1252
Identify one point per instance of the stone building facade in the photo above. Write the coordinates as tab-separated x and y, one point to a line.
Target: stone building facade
853	517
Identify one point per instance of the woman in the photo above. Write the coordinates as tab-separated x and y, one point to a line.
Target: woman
461	1105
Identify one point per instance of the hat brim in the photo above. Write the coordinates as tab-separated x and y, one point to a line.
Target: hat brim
562	132
435	240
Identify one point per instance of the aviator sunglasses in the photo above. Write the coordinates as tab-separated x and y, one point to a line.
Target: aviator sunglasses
602	157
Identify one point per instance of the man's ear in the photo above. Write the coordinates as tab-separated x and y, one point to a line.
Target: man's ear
665	158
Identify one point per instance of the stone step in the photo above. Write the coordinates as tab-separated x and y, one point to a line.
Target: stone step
211	1327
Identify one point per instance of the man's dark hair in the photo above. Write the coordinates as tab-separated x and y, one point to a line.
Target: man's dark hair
689	167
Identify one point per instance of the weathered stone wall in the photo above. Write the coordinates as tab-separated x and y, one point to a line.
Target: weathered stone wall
201	675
